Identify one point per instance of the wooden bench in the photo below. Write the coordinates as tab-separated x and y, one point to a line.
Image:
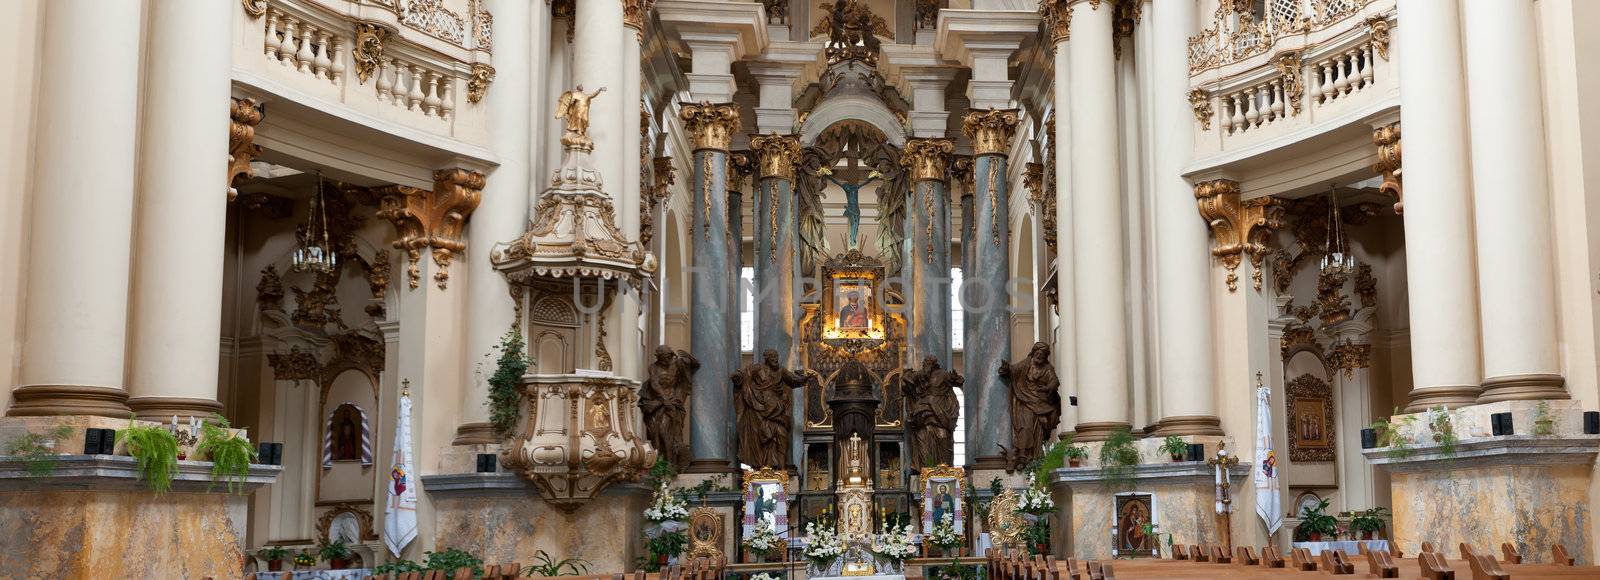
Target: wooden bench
1380	565
1220	555
1302	560
1433	566
1485	567
1100	571
1242	555
1335	563
1466	551
1270	557
1562	558
1509	552
1427	547
1197	554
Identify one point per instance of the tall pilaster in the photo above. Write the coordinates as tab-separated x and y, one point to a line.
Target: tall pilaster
1057	18
929	163
1511	196
775	235
630	338
1183	262
984	287
1440	278
1101	340
82	198
711	127
490	309
182	217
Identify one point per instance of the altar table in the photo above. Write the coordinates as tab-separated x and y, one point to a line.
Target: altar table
1346	546
350	574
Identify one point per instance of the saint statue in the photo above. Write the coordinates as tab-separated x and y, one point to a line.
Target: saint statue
1035	402
663	398
761	397
930	392
574	109
852	200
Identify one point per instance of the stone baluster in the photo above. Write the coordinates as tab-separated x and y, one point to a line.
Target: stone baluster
415	98
431	102
320	61
286	47
304	57
336	55
385	81
270	43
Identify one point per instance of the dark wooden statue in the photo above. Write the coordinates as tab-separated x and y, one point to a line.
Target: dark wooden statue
663	400
761	398
1035	403
930	394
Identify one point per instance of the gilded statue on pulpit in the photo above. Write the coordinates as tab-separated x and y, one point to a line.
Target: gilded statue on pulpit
574	109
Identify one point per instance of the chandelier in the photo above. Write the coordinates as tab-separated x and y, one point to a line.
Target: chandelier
314	252
1336	256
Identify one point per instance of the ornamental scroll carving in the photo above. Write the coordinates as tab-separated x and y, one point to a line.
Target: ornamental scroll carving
478	83
368	51
582	435
1057	16
1387	138
432	220
1239	227
1200	101
242	149
990	130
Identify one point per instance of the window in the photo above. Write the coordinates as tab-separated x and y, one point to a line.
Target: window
960	436
957	325
747	315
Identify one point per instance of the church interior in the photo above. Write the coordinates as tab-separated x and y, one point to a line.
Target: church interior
789	289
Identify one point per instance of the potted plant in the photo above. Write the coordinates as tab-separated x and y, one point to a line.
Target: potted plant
273	556
1118	457
1175	446
229	451
1035	507
1315	523
451	561
1368	522
157	451
1075	455
665	522
305	559
336	552
893	547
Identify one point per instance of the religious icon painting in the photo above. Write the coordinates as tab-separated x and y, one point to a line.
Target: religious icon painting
1134	514
941	496
1310	419
854	297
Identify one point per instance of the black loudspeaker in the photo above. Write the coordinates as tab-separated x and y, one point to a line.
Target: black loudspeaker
1501	424
486	462
277	454
1591	422
1197	452
1073	400
99	441
264	453
108	441
1369	438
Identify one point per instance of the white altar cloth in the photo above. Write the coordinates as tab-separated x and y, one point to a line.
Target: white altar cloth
1347	546
873	577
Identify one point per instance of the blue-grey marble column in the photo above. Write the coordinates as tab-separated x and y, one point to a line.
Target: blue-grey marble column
984	289
928	265
776	265
711	404
736	261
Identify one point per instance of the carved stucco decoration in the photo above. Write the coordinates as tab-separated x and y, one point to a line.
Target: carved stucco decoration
294	366
432	219
243	116
1348	356
1333	305
928	14
1033	181
634	14
928	159
741	165
363	516
1294	86
482	26
318	306
1238	227
1366	286
1057	16
269	291
378	281
710	126
478	83
368	50
777	11
1200	101
961	172
1378	29
255	8
1387	138
1298	337
1313	391
582	435
776	155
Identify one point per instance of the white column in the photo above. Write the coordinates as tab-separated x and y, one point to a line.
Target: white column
77	282
490	309
1066	266
1183	259
1440	278
182	211
598	62
1511	195
1098	246
630	331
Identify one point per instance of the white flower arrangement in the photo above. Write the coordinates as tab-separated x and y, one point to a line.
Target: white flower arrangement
1035	501
764	576
764	540
895	544
944	535
666	506
822	545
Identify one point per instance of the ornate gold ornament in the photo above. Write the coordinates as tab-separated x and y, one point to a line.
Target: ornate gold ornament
1366	286
294	366
368	50
242	149
1239	227
1298	337
601	355
588	439
1309	402
1331	301
776	154
1378	29
1004	525
269	291
432	220
741	165
705	533
255	8
1387	138
573	108
1348	356
1033	181
378	282
634	13
1294	86
777	11
852	30
928	159
990	130
1057	16
478	83
666	175
961	172
1200	101
710	126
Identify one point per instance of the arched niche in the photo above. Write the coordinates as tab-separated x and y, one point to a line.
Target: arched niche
861	108
675	284
346	479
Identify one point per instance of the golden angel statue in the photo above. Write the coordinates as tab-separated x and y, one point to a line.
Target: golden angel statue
574	108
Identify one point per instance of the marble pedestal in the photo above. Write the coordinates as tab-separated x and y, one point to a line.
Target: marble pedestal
1182	503
501	518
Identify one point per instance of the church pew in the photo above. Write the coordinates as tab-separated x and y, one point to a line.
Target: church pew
1301	560
1561	556
1242	555
1433	566
1509	552
1270	557
1427	546
1179	553
1197	554
1484	567
1466	551
1335	562
1220	555
1380	565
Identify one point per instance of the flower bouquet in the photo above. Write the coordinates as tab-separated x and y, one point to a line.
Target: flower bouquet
823	548
893	547
1035	503
666	519
944	535
764	541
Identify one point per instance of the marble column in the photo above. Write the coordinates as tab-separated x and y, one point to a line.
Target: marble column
1183	247
929	161
711	127
1511	196
490	310
984	287
735	282
82	215
1101	341
776	232
182	212
961	175
1440	278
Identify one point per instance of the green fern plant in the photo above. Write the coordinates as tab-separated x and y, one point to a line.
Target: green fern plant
156	450
230	453
546	565
1053	458
503	394
1118	457
38	451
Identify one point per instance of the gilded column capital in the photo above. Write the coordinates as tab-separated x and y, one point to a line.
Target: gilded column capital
990	130
961	172
1387	138
776	154
1238	227
242	149
1033	181
928	159
1057	16
711	126
432	219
